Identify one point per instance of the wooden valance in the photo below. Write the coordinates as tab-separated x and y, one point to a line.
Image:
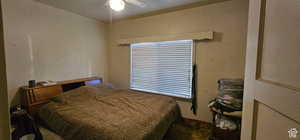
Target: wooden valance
184	36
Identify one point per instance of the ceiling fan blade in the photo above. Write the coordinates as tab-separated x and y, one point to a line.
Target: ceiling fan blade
136	2
106	3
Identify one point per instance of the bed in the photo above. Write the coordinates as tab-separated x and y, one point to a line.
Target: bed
104	113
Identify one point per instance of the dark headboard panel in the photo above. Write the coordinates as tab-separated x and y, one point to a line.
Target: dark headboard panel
72	84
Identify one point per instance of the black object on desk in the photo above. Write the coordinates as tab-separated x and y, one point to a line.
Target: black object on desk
31	83
24	124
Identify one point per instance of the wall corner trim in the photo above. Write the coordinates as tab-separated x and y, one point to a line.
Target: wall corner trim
197	36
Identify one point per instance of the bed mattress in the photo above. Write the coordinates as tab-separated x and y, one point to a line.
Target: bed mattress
100	113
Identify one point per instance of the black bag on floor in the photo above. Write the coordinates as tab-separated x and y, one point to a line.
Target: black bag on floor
24	124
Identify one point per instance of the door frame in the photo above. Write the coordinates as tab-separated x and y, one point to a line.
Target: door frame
4	113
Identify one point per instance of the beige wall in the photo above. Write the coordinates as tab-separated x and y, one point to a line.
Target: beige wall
222	58
46	43
4	116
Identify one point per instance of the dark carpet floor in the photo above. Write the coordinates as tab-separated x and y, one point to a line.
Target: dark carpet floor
188	130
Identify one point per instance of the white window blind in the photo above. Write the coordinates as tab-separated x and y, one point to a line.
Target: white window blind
162	67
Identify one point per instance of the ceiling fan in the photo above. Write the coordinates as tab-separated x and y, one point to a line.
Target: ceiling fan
119	5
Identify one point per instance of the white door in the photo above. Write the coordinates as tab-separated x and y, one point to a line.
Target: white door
272	82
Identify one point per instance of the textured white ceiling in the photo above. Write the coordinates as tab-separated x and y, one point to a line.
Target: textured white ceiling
97	9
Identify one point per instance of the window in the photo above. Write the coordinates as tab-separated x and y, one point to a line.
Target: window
162	67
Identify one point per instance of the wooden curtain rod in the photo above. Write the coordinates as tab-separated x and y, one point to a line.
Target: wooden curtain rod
198	36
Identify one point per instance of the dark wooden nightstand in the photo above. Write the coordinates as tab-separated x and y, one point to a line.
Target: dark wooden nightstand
33	98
